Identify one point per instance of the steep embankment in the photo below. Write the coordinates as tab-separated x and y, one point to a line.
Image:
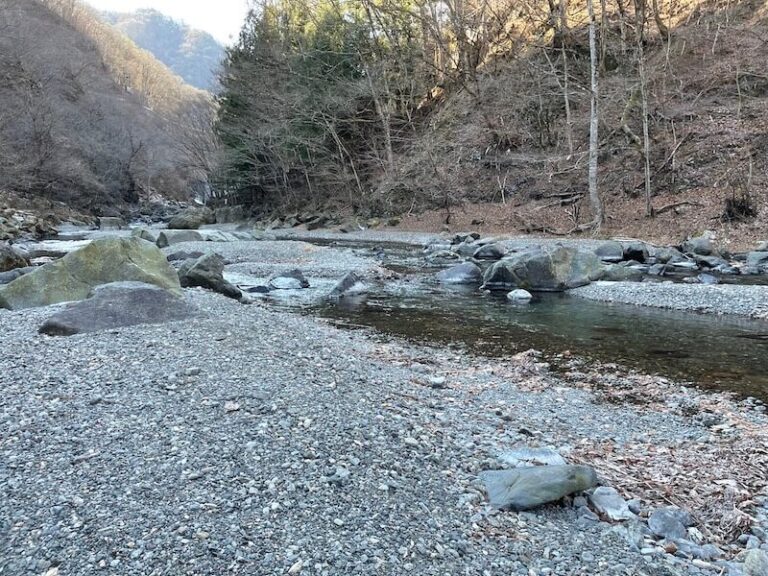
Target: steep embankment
497	152
88	119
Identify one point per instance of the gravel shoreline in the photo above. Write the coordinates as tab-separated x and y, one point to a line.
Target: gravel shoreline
254	440
751	301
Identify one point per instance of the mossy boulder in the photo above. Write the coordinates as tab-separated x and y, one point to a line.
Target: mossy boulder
74	276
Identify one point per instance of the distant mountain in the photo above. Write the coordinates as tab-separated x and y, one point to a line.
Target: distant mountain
192	54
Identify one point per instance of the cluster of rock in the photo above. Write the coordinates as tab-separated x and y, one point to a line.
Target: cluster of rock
20	223
535	477
496	264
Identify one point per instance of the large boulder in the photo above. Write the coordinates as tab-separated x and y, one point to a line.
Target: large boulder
610	251
170	237
635	250
100	262
10	258
544	270
619	273
525	488
464	273
701	245
192	219
208	272
490	252
116	305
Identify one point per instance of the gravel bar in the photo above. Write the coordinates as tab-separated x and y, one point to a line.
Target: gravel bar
749	301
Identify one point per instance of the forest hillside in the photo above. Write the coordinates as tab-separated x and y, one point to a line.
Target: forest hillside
89	119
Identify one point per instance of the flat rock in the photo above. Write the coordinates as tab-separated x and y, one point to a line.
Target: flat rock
610	503
100	262
526	488
170	237
117	305
490	252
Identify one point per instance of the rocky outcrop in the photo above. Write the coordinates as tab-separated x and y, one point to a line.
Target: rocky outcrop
544	270
117	305
526	488
208	272
100	262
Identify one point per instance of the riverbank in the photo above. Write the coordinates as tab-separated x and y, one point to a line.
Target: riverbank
256	440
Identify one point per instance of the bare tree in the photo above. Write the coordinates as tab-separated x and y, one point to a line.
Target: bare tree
594	196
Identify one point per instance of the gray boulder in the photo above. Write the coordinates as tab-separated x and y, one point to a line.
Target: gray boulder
208	272
619	273
170	237
700	245
466	249
608	502
11	258
525	488
181	255
610	251
351	285
116	305
11	275
757	259
464	273
145	234
76	274
635	250
544	269
668	255
460	237
290	280
709	261
192	219
490	252
670	522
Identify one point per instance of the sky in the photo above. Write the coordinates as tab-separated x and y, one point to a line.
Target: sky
220	18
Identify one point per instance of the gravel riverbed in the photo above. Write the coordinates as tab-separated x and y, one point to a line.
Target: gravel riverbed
254	440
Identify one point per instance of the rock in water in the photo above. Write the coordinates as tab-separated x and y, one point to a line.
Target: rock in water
670	523
208	272
100	262
116	305
544	269
519	295
350	285
10	258
465	273
291	280
490	252
609	502
525	488
756	563
170	237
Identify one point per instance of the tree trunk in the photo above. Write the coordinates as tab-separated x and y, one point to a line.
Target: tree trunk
594	196
640	25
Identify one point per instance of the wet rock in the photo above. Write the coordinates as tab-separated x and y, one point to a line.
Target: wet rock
610	252
519	295
619	273
544	269
490	252
116	305
290	280
170	237
526	488
11	258
100	262
464	273
670	522
351	285
608	502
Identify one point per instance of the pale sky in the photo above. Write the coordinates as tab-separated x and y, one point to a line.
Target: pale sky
220	18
